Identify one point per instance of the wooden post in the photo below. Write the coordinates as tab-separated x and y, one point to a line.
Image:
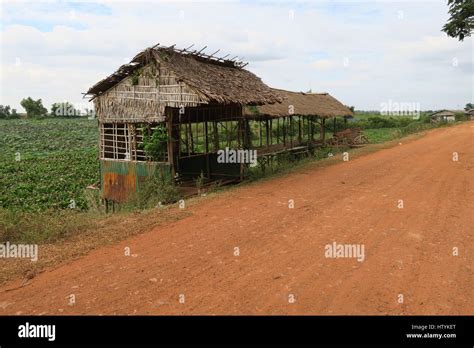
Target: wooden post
169	126
266	131
208	165
271	131
299	130
291	130
323	130
191	135
216	136
278	130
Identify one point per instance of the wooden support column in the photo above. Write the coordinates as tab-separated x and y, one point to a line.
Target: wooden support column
206	139
186	127
267	132
291	130
271	131
323	131
215	135
191	135
300	140
248	135
278	130
244	139
169	126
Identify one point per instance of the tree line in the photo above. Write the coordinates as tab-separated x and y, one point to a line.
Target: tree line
35	109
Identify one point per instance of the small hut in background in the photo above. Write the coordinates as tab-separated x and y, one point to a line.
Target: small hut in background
443	116
470	114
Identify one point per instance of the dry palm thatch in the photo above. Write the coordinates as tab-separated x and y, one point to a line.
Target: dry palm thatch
443	113
304	104
214	80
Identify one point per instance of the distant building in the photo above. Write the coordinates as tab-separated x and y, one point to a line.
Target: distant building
443	116
470	114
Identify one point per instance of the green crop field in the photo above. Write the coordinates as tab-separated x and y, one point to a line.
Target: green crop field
44	164
47	163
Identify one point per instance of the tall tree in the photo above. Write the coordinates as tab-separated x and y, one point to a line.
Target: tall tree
461	20
34	108
4	111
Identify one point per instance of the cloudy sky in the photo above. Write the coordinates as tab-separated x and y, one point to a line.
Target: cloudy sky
365	53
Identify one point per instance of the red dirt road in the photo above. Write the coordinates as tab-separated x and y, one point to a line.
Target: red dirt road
408	251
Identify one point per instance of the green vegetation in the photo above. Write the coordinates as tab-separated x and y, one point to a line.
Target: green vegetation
7	112
200	182
44	164
157	190
26	227
34	108
381	135
155	145
461	20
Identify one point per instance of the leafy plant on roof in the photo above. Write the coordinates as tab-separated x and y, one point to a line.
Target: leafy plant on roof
135	77
164	56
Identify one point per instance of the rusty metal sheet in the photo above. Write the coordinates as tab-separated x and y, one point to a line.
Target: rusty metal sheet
120	179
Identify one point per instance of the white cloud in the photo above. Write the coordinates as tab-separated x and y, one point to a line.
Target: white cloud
325	64
401	59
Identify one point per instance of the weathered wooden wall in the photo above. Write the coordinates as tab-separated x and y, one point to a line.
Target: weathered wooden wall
155	88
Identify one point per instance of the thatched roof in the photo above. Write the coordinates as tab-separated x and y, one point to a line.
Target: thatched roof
305	104
469	112
215	80
443	113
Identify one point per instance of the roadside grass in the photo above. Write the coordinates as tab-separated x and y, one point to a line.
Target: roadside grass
45	227
73	234
381	135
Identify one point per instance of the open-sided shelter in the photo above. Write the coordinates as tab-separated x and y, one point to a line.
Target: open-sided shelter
295	122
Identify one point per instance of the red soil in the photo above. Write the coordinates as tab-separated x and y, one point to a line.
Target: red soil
408	251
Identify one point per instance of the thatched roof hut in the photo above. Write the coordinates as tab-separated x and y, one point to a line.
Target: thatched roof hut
213	80
470	114
443	115
305	104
